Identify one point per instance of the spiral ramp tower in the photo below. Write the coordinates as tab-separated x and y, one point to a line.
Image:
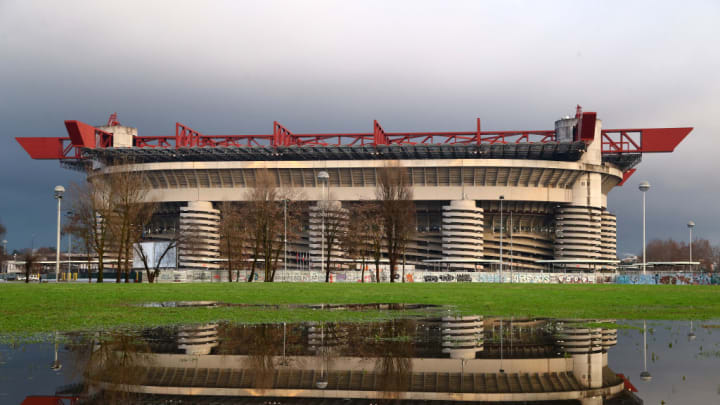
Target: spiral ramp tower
462	234
462	336
578	234
198	339
608	239
200	242
588	348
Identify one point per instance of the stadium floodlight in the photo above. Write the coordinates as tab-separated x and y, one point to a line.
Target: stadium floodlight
691	225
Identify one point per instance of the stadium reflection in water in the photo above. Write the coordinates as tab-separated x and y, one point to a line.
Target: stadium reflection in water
418	360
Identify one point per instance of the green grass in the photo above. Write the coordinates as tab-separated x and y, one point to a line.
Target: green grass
36	308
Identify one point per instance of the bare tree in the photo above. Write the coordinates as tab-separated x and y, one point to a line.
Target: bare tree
357	241
333	218
672	250
30	257
264	220
110	212
397	211
129	215
153	260
91	203
232	237
376	235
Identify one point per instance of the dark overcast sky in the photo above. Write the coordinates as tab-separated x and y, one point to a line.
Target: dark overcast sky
235	66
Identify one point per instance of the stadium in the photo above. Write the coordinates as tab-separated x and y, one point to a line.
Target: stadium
531	200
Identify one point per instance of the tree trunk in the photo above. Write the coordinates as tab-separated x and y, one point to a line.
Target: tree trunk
101	268
377	269
118	266
362	272
252	270
327	264
128	261
229	268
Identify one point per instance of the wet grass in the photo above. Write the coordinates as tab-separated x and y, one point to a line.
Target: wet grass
36	308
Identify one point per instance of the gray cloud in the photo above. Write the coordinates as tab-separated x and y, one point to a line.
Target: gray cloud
229	67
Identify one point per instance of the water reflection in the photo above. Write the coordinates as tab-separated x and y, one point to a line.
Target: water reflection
418	360
448	358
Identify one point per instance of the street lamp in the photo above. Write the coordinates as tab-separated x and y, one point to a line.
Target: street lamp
56	365
69	248
502	197
644	187
323	176
59	191
691	225
691	335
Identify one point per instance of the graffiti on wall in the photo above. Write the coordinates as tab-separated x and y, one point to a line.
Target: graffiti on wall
669	278
418	276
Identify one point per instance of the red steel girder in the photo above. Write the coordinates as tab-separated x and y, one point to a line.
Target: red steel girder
614	141
643	140
626	175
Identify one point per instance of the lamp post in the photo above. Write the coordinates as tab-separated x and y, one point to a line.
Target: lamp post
323	176
691	225
691	335
502	370
69	268
512	252
56	365
59	191
502	197
645	375
644	187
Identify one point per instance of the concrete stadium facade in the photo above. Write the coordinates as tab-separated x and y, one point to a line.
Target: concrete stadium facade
542	193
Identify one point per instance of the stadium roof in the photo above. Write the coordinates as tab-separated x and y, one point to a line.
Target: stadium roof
537	151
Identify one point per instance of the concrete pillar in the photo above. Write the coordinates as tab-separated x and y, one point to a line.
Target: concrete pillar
199	248
462	233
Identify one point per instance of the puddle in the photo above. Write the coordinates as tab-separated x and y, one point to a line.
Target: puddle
417	360
326	307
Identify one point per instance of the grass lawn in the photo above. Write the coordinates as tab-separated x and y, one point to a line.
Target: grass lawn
32	308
